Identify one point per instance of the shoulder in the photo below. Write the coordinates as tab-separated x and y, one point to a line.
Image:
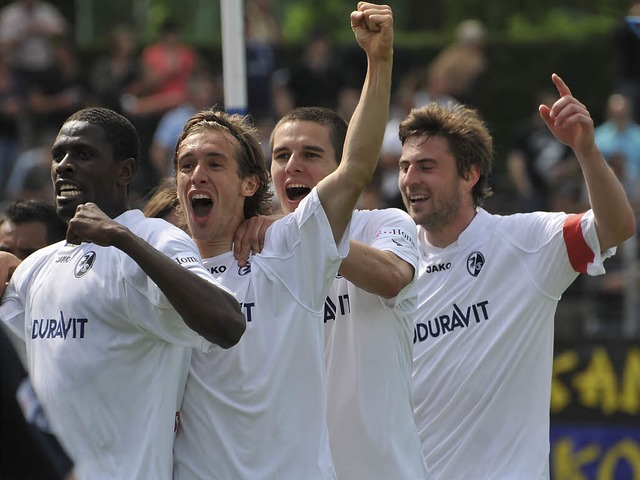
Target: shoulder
155	231
34	262
374	221
381	216
529	230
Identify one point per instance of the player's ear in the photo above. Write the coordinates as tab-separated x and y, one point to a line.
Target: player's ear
126	170
250	185
472	176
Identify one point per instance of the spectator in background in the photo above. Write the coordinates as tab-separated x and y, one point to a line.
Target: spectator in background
28	225
204	91
536	161
462	63
30	177
263	36
626	43
433	88
618	138
117	73
317	79
166	66
27	28
58	91
12	107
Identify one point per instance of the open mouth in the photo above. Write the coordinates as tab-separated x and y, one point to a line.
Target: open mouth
418	198
201	205
296	192
68	190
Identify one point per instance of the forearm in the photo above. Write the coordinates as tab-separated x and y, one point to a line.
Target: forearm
339	193
205	308
614	216
364	139
376	271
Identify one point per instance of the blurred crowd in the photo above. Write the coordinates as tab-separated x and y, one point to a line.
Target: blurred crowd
158	86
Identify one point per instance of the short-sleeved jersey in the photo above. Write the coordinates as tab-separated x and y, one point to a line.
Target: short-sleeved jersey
107	353
258	409
368	358
483	339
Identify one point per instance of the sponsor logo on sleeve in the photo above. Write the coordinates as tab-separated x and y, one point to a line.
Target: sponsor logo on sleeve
400	237
186	259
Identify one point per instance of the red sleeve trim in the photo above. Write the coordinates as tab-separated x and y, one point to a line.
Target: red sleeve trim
580	254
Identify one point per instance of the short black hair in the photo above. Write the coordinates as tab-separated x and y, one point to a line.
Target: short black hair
119	131
25	211
323	116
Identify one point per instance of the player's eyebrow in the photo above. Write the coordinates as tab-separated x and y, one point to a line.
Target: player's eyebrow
313	148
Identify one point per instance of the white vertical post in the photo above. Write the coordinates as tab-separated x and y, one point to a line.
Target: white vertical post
233	56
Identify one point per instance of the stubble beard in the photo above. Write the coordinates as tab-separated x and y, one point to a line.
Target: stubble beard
444	215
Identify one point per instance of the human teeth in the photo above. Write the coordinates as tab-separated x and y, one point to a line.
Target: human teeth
200	196
419	197
297	185
69	191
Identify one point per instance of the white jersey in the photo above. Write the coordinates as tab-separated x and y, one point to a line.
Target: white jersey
368	357
484	341
107	354
258	410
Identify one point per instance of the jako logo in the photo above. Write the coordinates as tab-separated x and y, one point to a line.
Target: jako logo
441	267
475	262
218	269
84	264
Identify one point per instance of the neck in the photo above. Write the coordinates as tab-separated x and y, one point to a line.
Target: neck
214	248
447	234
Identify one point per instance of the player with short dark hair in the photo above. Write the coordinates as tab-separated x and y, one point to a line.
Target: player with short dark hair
110	316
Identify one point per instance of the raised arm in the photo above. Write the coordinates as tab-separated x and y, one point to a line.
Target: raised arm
570	122
205	308
373	28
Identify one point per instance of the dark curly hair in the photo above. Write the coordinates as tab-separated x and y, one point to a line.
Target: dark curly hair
119	132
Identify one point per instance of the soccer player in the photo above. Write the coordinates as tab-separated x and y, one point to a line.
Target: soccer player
368	332
488	287
258	410
110	316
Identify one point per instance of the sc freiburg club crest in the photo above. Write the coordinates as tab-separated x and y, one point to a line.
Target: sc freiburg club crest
475	262
84	264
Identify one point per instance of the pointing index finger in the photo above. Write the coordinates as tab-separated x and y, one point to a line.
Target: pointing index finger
562	87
